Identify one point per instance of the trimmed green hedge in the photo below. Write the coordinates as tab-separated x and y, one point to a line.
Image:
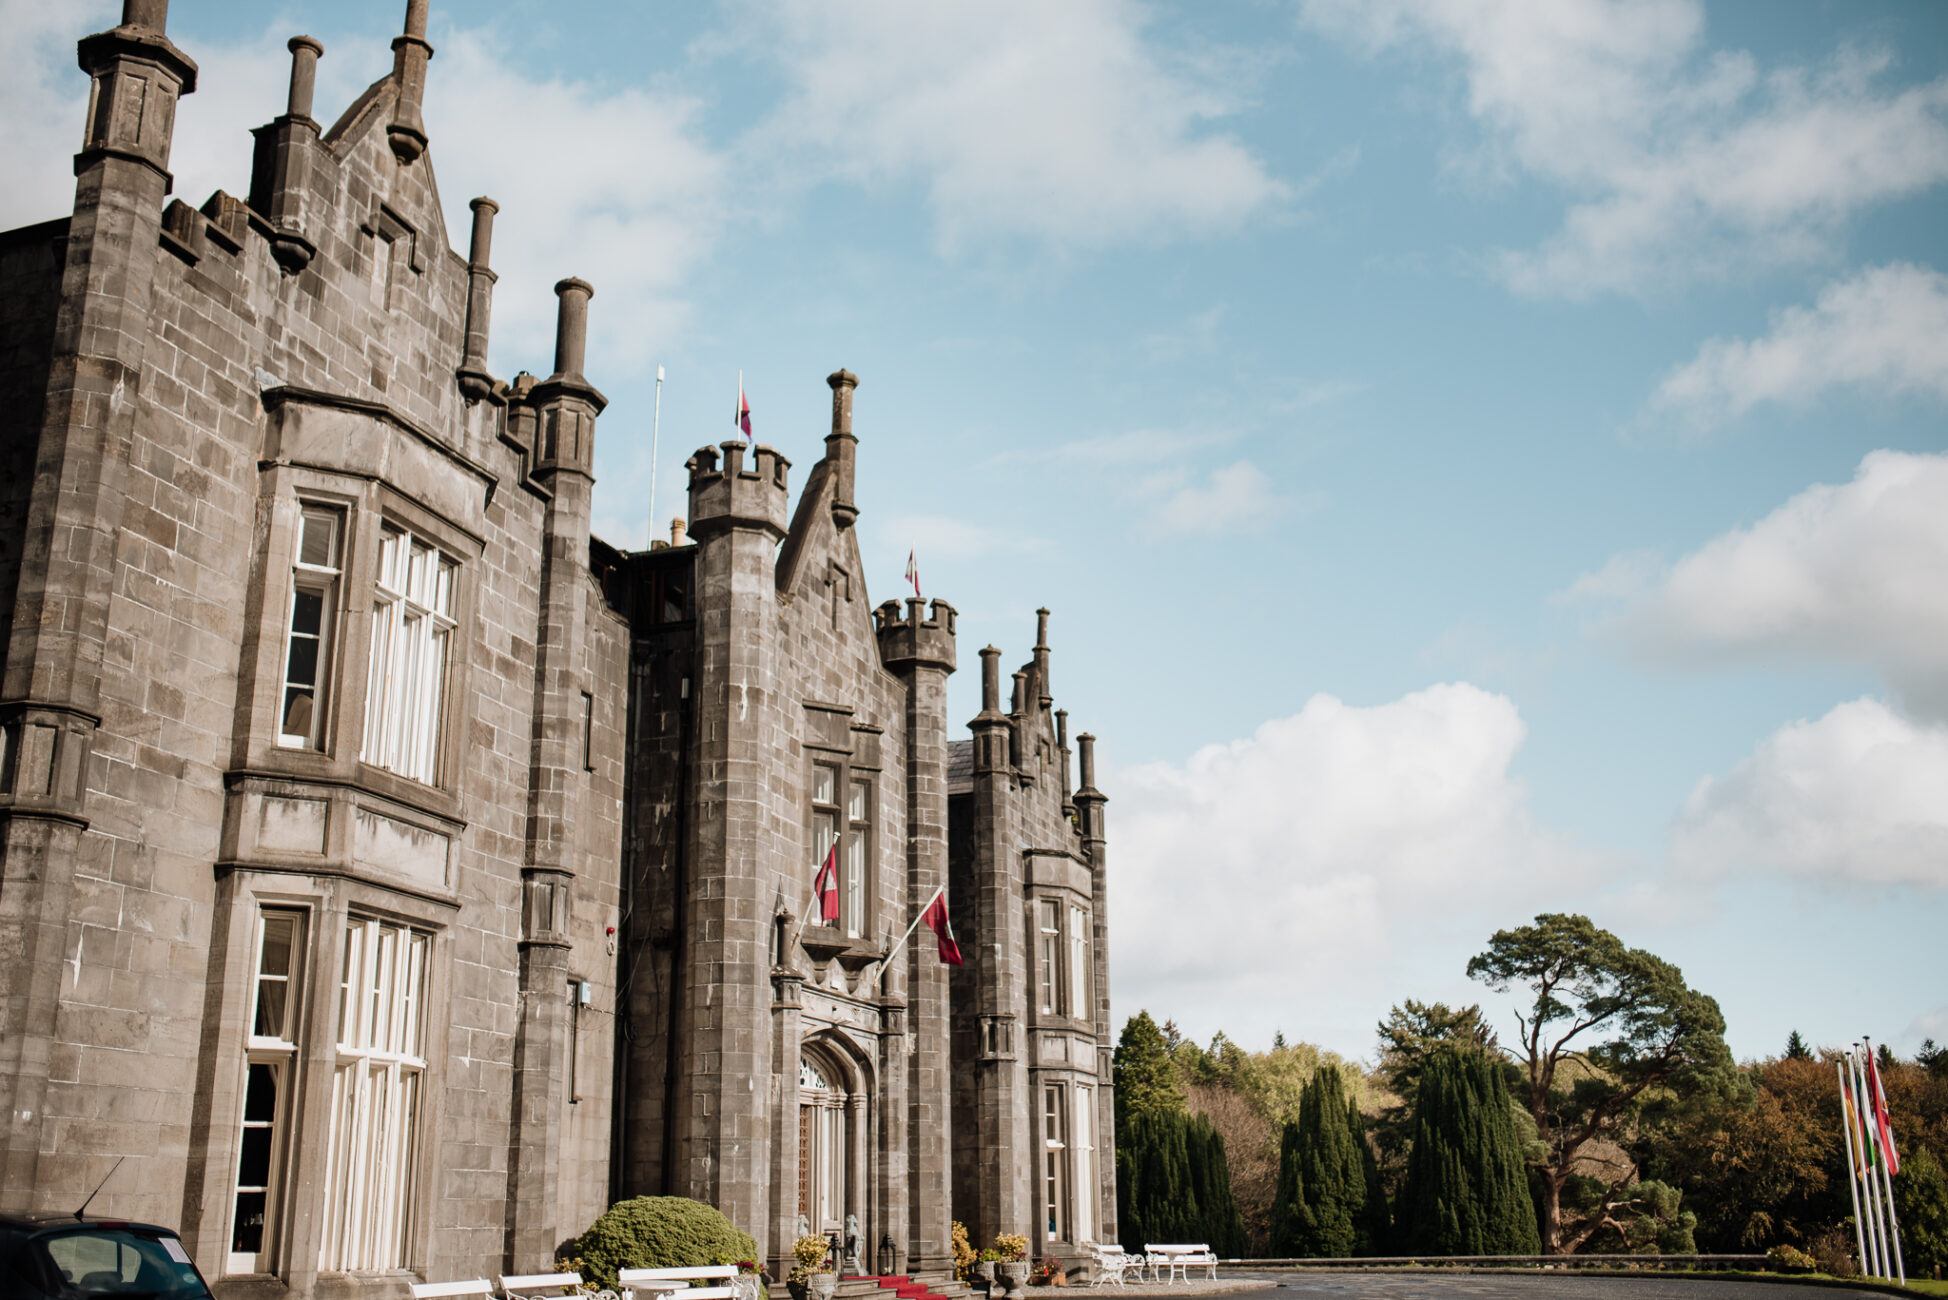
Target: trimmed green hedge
659	1232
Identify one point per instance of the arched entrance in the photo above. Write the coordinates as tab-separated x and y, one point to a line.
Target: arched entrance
832	1141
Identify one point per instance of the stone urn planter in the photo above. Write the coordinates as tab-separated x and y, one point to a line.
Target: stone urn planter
819	1286
1014	1277
981	1274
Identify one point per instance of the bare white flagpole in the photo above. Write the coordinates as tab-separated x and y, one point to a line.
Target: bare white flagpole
1853	1169
1886	1174
1876	1229
655	434
887	960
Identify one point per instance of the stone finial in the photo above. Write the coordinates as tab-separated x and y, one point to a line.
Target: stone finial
305	51
410	53
571	326
840	446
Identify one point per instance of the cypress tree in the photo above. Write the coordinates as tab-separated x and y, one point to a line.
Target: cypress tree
1221	1225
1321	1206
1466	1191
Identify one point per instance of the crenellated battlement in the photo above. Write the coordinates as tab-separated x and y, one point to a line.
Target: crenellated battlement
726	492
907	639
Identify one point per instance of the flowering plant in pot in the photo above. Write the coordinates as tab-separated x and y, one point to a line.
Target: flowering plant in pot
1049	1273
811	1276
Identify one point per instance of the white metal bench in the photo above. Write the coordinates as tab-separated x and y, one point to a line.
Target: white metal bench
1113	1263
480	1286
1169	1262
527	1286
665	1282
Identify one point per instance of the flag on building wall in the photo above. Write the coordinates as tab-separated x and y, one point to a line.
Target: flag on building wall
913	573
936	918
825	885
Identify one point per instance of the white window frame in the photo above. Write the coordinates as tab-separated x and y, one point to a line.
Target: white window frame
1055	1158
320	580
1079	962
277	1052
858	854
1048	918
1082	1138
825	830
412	653
378	1083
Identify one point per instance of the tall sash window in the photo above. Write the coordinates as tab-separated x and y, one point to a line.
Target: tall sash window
270	1064
375	1098
412	628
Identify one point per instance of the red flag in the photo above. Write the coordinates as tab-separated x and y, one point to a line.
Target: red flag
1877	1098
936	918
743	417
825	885
913	573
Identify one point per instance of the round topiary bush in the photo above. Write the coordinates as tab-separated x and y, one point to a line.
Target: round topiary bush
659	1232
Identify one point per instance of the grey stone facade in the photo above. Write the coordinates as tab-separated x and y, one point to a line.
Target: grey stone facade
391	874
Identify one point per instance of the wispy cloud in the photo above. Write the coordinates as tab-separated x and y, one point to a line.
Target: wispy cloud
1882	331
1233	498
42	100
1062	125
1680	164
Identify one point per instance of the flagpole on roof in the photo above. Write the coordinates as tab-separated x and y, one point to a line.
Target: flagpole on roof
655	434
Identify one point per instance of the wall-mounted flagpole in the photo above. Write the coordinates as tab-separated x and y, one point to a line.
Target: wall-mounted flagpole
893	952
655	433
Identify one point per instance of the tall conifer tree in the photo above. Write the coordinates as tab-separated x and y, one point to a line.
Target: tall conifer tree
1466	1191
1323	1206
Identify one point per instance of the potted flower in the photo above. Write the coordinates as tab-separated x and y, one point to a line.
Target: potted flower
750	1279
983	1266
811	1276
1049	1273
1012	1247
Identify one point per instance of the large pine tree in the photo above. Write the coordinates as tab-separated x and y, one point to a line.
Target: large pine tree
1328	1202
1466	1191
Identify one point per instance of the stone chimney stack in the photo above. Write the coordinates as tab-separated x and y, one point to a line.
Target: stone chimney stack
677	537
475	382
840	447
567	402
287	144
410	53
1041	658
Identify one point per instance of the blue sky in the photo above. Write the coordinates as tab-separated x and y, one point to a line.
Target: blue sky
1482	457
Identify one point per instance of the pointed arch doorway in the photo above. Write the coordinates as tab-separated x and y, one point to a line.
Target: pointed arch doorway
831	1131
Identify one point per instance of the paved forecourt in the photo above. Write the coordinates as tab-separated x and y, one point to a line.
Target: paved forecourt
1431	1285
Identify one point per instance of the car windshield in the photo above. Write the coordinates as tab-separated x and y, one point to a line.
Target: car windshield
98	1260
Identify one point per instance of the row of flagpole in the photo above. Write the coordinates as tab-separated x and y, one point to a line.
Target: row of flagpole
1872	1163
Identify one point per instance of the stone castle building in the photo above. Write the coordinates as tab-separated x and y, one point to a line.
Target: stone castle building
392	875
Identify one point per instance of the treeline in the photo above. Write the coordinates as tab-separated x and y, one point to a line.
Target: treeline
1618	1123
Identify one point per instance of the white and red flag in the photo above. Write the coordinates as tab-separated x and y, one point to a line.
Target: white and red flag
913	573
825	885
943	930
743	417
1883	1128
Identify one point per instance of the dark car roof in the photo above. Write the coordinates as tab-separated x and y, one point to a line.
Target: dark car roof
43	1220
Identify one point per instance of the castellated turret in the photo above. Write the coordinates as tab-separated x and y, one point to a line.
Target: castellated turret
726	495
905	638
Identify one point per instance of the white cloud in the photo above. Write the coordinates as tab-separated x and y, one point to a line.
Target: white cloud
1321	854
943	537
1022	120
1682	163
1851	572
1856	795
1884	330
